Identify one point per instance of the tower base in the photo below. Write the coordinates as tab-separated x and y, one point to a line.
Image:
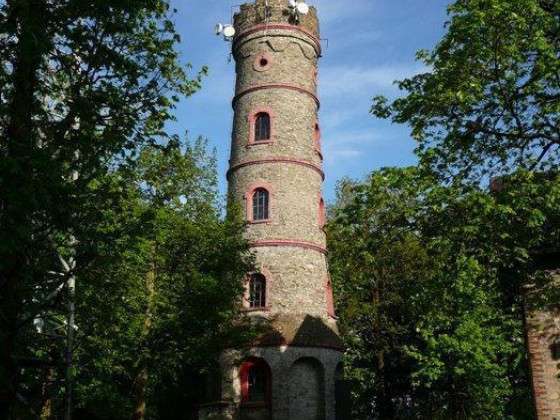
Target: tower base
303	385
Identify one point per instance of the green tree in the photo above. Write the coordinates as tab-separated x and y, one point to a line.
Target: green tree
158	305
82	86
428	279
490	100
377	263
441	265
160	280
487	105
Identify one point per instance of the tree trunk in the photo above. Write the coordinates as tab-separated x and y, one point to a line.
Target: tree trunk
17	203
143	375
140	394
385	405
7	376
46	409
69	356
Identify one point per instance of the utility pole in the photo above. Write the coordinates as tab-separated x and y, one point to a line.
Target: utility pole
70	267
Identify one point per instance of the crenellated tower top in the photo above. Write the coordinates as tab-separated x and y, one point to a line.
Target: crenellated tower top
274	12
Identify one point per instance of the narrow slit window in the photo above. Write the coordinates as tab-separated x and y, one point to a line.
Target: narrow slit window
330	299
257	291
262	127
260	204
317	136
322	214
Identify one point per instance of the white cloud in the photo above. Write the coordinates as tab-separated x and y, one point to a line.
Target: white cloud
344	145
336	117
333	10
340	42
351	137
335	155
346	80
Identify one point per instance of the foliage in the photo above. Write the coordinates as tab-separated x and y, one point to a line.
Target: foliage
159	279
428	280
175	264
89	176
486	106
489	101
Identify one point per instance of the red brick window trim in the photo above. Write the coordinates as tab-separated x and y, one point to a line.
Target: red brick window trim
263	61
258	200
261	126
256	382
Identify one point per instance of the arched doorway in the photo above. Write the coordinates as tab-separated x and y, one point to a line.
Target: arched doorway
307	390
256	389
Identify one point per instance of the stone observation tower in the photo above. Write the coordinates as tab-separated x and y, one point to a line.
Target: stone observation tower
276	176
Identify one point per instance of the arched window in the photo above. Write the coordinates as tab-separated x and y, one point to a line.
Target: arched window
261	201
255	381
262	127
257	291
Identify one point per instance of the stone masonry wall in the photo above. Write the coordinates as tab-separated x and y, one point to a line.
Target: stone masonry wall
308	278
285	52
294	202
284	379
293	120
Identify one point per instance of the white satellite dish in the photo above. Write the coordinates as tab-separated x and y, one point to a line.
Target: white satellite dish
302	8
219	29
229	31
292	4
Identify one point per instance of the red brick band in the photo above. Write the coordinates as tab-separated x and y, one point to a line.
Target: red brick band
538	374
305	163
280	26
289	243
277	86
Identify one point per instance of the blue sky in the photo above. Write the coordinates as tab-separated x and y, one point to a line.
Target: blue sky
371	43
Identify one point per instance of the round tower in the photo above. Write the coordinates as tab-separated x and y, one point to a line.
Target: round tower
276	176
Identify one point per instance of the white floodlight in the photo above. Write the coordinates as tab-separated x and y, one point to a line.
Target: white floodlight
219	29
229	31
39	324
302	8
